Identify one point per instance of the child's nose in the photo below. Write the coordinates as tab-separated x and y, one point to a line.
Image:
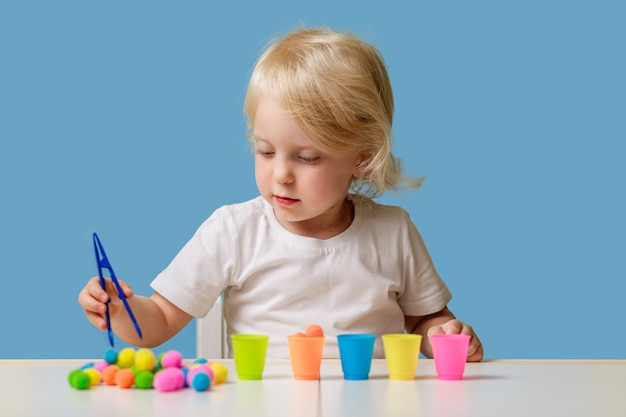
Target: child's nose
283	173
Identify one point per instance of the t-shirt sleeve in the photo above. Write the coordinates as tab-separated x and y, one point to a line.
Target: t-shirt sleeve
424	290
199	272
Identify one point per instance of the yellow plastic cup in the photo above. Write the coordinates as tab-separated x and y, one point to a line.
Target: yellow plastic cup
401	354
249	351
305	354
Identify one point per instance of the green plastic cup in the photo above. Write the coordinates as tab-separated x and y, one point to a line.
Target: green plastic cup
249	351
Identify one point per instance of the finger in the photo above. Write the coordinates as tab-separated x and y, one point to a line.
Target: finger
475	351
128	291
453	327
436	330
94	310
112	292
95	290
89	303
96	320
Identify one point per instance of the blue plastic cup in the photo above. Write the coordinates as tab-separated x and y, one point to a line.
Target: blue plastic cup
356	352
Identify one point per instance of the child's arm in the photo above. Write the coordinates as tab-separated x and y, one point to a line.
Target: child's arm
443	322
158	318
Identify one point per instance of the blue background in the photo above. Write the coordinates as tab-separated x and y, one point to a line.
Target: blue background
125	118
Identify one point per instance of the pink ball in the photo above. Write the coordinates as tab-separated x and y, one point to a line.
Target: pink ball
172	359
100	365
204	368
170	379
179	377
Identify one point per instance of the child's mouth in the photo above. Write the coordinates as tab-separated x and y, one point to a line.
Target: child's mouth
285	201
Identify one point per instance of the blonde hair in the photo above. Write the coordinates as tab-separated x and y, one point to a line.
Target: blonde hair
337	89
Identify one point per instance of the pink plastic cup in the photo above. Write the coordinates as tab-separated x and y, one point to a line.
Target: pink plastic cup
450	353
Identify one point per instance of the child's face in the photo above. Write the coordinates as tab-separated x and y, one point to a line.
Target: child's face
306	187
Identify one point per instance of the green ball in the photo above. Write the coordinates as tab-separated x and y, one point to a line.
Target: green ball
70	376
144	379
81	380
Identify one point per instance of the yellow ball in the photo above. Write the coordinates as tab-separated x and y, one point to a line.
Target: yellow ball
94	376
126	358
220	372
145	360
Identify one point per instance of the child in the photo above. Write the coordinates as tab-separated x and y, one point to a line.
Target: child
313	247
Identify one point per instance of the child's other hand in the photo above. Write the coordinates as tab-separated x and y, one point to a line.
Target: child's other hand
475	352
92	298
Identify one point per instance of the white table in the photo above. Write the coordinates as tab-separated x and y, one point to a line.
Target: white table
493	388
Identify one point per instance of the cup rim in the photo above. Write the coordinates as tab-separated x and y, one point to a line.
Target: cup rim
249	336
450	336
356	336
401	335
293	336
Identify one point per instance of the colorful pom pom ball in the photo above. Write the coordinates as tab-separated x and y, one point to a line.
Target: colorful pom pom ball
110	356
125	378
94	376
126	358
220	372
172	359
201	382
145	360
144	380
314	330
204	368
169	379
79	379
108	374
100	365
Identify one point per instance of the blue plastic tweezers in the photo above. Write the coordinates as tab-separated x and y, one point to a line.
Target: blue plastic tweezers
103	263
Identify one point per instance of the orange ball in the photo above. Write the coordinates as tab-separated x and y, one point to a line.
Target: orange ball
125	378
108	374
314	330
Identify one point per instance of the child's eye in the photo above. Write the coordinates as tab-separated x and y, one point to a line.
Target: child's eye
264	152
308	159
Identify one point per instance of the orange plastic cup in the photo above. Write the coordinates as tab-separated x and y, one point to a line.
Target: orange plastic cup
306	356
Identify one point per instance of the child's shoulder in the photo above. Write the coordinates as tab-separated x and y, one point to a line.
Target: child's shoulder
253	205
235	216
371	208
243	210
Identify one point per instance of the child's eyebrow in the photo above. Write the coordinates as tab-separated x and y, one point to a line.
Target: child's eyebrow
256	137
258	140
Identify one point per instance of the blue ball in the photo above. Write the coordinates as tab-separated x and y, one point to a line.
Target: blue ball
185	372
110	356
200	361
201	382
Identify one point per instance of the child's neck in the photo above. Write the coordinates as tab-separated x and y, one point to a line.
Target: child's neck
317	230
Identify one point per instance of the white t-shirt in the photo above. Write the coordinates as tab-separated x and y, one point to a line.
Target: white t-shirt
364	280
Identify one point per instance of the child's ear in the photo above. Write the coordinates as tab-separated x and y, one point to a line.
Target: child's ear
359	168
